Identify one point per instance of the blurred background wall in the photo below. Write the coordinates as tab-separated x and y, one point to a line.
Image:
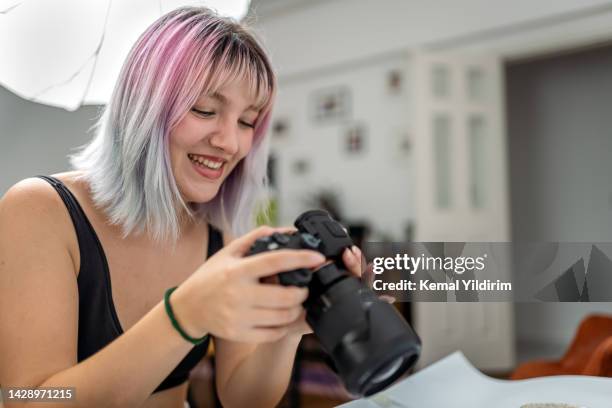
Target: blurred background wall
357	155
35	139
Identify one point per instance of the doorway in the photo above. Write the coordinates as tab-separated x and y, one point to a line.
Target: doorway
559	124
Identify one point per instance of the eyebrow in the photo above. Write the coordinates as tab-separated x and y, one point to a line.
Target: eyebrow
223	100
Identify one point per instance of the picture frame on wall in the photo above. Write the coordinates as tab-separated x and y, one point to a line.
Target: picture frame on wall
402	143
355	138
394	81
331	105
301	167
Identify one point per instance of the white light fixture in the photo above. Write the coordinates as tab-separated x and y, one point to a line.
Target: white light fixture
68	53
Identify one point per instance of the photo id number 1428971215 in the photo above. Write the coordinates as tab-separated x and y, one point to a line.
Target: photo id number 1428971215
42	394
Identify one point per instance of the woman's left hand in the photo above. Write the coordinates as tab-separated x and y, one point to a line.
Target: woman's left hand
353	260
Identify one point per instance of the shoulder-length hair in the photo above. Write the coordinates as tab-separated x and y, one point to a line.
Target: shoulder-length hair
184	53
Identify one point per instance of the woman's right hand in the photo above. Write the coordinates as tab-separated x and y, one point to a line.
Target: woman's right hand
225	297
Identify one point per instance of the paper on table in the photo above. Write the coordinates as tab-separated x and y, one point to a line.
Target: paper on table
454	382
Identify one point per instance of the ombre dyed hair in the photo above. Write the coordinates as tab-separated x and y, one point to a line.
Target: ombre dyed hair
127	164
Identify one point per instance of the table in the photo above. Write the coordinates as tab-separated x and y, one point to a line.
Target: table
453	382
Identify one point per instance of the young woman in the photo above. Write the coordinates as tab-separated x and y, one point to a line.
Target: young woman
89	258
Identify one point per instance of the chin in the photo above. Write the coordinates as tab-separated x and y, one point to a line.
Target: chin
201	196
197	190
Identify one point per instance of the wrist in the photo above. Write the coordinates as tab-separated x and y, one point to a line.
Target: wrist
184	316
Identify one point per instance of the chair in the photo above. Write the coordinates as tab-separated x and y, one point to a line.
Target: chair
590	353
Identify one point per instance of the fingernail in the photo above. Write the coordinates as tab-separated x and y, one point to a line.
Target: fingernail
317	257
351	260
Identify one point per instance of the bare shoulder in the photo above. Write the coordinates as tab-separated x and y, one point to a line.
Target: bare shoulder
38	290
32	194
31	210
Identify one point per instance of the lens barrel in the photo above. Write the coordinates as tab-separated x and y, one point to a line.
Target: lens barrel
369	342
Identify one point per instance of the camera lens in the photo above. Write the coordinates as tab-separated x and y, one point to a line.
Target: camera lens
369	342
388	370
387	373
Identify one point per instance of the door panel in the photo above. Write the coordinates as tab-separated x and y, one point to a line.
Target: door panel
462	195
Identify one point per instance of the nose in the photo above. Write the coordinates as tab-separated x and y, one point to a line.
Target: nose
225	137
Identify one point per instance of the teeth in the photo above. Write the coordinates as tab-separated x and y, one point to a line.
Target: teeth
205	162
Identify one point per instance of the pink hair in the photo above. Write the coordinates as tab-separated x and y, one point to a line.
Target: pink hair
184	53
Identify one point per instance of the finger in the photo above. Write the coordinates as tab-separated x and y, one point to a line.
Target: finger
362	260
274	317
352	260
241	245
277	297
282	260
286	230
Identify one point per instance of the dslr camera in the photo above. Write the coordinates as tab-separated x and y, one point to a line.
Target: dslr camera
369	342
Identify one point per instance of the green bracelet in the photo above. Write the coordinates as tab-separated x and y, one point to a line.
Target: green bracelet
175	322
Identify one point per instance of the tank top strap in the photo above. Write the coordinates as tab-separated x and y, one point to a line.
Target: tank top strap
79	219
215	240
93	281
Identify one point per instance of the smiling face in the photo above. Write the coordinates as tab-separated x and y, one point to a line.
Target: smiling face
210	141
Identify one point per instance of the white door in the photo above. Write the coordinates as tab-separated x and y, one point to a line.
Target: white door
462	195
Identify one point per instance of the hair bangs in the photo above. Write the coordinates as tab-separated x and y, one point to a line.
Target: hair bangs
237	59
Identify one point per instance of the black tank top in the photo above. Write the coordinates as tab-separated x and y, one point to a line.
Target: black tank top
98	321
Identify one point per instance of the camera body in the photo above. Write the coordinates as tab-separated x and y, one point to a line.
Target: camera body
298	240
369	342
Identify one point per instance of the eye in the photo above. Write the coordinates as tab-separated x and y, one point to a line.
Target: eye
206	114
247	124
